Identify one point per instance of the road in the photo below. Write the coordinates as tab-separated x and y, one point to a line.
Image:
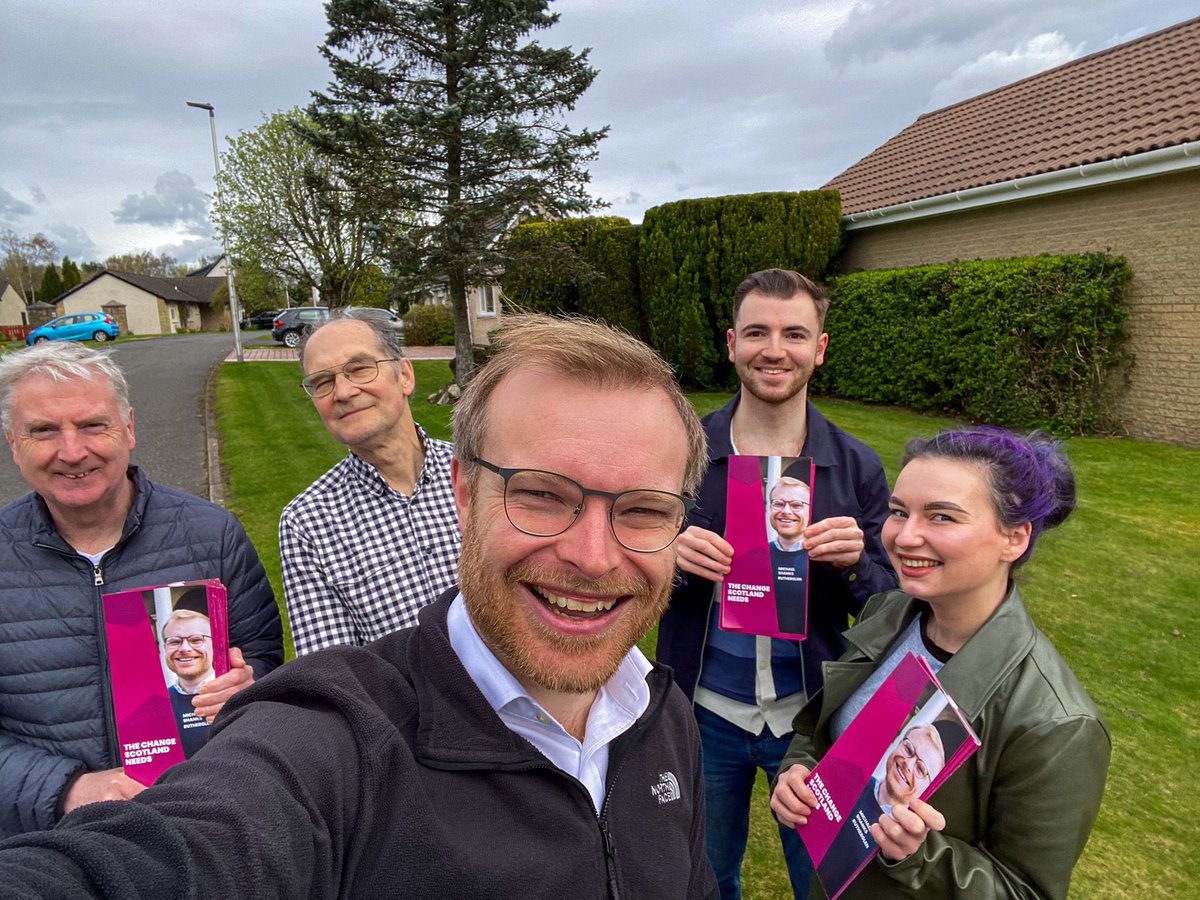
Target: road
166	388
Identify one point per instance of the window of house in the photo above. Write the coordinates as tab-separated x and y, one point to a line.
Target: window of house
487	300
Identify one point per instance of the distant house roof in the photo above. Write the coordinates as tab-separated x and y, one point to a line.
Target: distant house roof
205	271
1140	96
191	289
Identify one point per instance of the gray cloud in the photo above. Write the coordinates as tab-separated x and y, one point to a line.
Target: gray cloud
38	195
175	201
73	242
996	68
189	251
876	28
11	207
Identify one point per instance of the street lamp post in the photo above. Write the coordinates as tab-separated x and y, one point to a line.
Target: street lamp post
233	304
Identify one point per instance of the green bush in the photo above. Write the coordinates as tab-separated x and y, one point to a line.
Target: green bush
1026	342
429	326
575	266
694	253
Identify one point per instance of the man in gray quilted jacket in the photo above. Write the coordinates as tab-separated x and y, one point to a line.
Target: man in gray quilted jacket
93	525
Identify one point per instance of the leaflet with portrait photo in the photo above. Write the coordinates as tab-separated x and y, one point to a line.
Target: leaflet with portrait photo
163	642
768	499
907	740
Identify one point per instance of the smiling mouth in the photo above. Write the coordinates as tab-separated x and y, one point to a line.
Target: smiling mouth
901	774
910	563
572	607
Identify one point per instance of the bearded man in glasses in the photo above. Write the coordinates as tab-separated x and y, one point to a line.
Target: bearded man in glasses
515	742
376	537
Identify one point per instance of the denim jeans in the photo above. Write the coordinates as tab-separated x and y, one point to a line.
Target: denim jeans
732	758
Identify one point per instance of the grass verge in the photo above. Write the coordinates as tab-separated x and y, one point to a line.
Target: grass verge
1117	589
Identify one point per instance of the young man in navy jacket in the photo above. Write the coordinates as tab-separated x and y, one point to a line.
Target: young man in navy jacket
746	689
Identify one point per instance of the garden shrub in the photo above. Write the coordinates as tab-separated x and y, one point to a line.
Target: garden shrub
1025	342
694	253
576	266
429	325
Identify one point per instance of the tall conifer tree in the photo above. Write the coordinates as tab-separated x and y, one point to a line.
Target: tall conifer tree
71	276
445	117
52	285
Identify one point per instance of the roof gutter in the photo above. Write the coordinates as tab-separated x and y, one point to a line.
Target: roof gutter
1167	160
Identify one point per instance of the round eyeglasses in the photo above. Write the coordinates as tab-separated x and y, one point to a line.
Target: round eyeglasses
357	371
545	504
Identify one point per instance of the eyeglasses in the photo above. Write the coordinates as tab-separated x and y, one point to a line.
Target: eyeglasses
909	750
793	505
195	641
357	371
545	504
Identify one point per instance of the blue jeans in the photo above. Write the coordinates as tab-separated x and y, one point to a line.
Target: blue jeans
732	758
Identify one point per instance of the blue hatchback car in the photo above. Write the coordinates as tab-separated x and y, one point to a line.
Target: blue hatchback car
89	326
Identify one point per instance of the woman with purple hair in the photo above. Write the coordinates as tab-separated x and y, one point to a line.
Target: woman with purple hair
966	511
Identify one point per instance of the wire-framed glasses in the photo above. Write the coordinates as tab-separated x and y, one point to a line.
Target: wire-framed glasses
545	504
357	371
195	641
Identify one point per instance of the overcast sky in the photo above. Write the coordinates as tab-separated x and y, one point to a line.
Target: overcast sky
703	97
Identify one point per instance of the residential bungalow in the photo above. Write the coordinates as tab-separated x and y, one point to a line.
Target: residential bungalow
1100	154
147	304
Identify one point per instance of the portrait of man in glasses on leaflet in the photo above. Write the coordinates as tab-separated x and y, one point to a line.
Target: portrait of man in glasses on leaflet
376	537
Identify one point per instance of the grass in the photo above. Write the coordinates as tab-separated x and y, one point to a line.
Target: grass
1117	589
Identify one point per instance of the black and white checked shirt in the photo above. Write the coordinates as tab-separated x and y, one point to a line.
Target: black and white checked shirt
359	558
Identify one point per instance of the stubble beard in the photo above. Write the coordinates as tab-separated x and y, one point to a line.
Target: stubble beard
775	395
550	659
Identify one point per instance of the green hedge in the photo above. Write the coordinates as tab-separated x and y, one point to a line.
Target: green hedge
429	325
694	253
1026	342
578	266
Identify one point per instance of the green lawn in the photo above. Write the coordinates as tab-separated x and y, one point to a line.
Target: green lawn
1117	589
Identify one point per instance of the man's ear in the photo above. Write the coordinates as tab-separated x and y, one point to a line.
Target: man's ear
462	490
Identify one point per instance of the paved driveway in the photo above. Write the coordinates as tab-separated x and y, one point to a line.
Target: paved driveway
166	388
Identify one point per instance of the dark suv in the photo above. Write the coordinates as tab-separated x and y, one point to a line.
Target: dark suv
291	325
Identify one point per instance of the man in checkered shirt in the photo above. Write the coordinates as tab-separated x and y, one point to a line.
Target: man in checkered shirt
376	537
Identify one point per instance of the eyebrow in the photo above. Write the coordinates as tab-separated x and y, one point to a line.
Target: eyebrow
935	505
795	326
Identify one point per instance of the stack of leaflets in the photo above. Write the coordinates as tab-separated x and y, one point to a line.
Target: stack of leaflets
906	741
768	499
164	642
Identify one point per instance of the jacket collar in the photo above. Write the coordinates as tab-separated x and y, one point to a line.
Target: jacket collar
46	532
819	443
458	727
971	676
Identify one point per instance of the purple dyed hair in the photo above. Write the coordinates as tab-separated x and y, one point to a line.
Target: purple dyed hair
1029	478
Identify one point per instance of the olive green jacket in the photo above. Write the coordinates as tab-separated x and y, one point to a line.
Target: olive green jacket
1019	811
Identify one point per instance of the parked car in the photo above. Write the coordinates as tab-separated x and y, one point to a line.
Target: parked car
89	326
261	319
291	325
384	315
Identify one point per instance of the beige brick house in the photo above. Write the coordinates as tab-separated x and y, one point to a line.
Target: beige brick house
1102	153
151	305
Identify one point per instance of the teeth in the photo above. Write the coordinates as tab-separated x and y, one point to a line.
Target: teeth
919	563
570	603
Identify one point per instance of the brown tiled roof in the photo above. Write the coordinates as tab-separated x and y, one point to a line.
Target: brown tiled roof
1139	96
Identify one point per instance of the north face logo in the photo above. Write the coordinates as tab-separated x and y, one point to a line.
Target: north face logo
667	788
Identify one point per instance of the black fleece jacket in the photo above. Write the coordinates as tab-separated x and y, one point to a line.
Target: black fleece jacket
382	771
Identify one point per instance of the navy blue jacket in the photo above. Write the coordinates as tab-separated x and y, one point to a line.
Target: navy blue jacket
56	720
849	481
